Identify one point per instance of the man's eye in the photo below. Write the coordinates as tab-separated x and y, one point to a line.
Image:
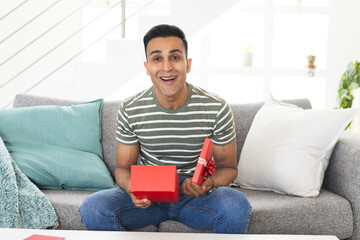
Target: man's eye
175	57
156	59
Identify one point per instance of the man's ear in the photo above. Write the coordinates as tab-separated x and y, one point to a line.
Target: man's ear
146	66
188	65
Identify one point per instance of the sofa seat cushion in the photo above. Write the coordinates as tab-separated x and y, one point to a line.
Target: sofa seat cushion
175	226
327	214
272	213
67	204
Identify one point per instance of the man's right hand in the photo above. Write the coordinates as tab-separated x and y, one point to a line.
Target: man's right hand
140	203
127	155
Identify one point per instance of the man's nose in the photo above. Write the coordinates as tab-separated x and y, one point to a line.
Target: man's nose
167	65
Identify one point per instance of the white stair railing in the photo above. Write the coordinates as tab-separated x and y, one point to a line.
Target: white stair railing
60	44
12	10
31	20
9	85
45	32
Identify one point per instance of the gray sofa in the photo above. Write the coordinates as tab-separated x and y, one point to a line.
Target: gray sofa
334	212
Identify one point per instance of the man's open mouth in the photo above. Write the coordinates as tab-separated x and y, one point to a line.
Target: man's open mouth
167	78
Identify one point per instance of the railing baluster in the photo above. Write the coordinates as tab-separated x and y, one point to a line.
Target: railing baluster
67	61
6	38
73	57
123	18
11	11
54	48
41	35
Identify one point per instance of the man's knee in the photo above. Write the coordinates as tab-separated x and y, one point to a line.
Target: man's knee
234	201
97	210
234	209
89	211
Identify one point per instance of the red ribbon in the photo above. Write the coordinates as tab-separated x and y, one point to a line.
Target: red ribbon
210	168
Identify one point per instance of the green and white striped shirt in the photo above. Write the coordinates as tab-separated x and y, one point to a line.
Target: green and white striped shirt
174	137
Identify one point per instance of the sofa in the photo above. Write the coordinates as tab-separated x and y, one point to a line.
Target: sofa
335	211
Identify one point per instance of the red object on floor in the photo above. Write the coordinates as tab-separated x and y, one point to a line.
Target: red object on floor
205	157
156	183
43	237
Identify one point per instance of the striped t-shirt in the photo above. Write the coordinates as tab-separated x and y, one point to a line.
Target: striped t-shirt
174	136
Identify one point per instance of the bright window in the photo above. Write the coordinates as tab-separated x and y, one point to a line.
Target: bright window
283	33
241	30
298	35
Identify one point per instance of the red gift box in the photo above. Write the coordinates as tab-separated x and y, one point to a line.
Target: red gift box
156	183
204	159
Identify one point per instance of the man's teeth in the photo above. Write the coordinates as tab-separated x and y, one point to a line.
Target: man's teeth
168	78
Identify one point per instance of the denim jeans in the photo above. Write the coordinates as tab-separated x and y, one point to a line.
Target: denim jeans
225	210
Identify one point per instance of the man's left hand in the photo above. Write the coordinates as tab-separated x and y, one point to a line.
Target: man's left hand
194	190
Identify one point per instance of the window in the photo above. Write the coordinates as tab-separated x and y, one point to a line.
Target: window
283	33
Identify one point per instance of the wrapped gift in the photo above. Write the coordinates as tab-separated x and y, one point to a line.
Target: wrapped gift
156	183
205	165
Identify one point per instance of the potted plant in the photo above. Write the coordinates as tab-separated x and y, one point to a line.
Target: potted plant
310	65
349	82
248	55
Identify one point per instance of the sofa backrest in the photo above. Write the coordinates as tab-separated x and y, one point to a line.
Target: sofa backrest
243	116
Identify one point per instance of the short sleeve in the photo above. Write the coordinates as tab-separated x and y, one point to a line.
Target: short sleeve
124	132
224	130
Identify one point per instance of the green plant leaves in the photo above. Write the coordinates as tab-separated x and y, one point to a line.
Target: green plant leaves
349	82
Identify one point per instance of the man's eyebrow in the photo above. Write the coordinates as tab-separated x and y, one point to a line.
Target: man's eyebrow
156	51
175	50
171	51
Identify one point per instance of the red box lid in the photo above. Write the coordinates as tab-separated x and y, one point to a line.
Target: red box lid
207	149
156	183
206	154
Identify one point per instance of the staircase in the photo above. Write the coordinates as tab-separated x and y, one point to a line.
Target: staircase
74	49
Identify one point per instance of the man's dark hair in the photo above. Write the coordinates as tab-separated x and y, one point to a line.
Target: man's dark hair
165	30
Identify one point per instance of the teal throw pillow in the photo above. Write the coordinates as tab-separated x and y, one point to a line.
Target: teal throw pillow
58	146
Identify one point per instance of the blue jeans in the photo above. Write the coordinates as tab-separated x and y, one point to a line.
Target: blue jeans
225	210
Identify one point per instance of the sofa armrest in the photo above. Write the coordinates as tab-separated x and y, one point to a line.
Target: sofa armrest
343	174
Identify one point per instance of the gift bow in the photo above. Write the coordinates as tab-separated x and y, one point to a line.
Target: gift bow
209	167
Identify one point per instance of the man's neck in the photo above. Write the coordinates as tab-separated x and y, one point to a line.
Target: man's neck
173	102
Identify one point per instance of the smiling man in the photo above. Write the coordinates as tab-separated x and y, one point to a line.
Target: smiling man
167	66
166	125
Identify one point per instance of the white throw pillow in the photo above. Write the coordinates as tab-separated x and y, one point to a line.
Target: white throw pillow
287	149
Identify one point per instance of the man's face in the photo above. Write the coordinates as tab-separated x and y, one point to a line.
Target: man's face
167	66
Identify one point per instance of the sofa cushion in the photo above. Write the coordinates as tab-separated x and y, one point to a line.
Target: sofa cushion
288	148
67	204
58	146
272	213
108	123
244	115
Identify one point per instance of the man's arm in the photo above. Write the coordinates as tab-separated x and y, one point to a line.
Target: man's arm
127	155
225	171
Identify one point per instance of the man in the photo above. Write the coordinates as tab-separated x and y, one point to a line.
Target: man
166	125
